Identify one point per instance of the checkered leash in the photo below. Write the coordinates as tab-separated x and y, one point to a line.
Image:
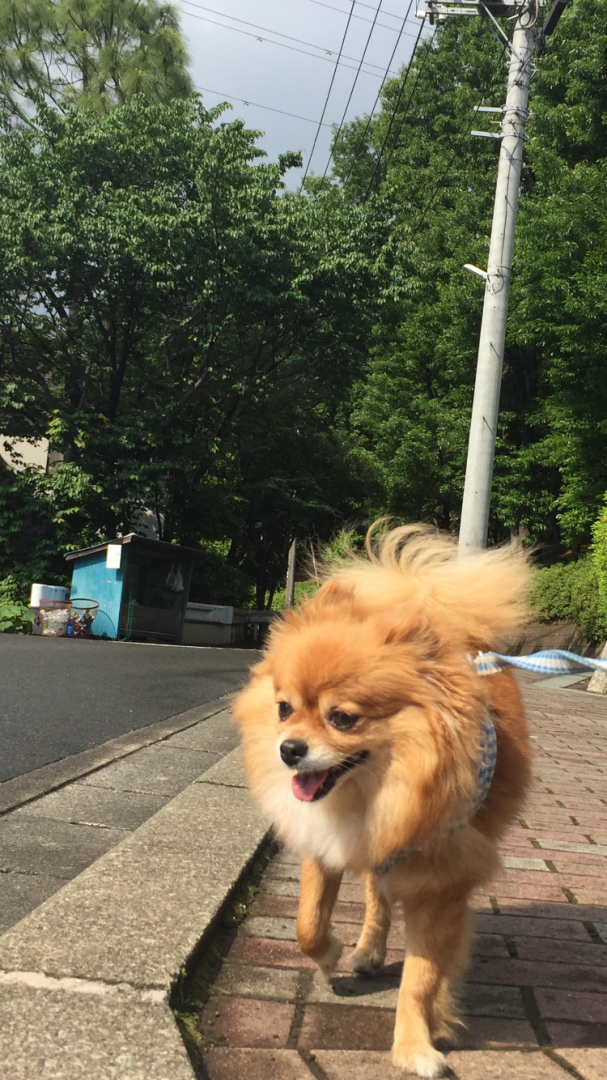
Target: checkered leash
546	662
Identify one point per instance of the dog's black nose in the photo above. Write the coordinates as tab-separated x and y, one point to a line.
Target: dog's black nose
292	751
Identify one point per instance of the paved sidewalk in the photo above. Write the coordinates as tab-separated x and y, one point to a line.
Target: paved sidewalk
535	1001
85	977
50	840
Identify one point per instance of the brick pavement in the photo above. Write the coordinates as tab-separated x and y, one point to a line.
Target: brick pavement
535	1000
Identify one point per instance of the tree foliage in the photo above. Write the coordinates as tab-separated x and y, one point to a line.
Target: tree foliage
95	54
559	302
569	591
412	413
248	364
179	327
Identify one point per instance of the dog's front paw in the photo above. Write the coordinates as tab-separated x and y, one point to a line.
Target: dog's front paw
425	1061
329	960
367	961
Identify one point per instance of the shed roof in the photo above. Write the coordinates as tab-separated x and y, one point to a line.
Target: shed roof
176	552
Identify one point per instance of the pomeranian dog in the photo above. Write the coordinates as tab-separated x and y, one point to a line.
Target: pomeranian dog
373	745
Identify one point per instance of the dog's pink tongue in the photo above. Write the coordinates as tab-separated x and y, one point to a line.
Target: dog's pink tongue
306	784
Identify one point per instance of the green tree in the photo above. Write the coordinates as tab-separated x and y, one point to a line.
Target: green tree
411	416
162	301
92	53
409	423
291	478
560	288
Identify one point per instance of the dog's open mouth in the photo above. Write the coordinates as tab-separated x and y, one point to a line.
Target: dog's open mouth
312	786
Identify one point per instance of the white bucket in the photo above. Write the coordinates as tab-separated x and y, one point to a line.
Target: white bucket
40	593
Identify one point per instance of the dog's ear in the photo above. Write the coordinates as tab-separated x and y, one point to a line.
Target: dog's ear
332	593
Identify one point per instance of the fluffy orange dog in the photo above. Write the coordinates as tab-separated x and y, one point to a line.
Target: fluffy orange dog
367	734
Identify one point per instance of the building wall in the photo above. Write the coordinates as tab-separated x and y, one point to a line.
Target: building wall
20	454
93	580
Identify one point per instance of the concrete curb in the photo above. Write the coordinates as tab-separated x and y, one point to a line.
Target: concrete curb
32	785
84	979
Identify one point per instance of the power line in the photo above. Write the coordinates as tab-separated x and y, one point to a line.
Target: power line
269	41
342	121
412	94
360	3
464	133
324	109
247	101
383	82
398	101
363	18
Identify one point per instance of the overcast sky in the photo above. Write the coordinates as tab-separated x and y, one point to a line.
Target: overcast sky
230	62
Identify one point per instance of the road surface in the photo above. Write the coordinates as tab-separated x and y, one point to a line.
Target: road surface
59	696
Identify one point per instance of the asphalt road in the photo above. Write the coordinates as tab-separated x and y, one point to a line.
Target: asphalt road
59	697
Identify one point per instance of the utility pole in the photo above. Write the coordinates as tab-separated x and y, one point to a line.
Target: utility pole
290	583
514	114
485	408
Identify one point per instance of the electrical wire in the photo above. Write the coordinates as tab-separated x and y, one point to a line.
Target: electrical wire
536	15
266	30
464	133
324	109
353	87
383	83
359	3
419	74
398	101
247	101
363	18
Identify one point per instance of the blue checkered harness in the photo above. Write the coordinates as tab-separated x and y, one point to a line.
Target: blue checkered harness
485	769
545	662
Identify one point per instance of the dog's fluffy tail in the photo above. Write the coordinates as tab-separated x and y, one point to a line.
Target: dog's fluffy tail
480	595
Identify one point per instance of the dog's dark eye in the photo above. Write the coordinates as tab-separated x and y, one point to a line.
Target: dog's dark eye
284	710
343	721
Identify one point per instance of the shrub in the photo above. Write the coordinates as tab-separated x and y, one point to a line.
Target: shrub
599	555
15	619
571	591
304	590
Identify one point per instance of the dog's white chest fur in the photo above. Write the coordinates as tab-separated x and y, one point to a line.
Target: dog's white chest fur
313	829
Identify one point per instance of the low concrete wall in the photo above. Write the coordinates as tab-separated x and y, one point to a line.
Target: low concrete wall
210	624
556	635
206	633
213	624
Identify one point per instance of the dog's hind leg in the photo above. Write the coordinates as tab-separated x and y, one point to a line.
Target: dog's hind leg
437	933
319	890
370	952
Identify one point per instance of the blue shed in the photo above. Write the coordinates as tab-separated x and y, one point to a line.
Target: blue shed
141	586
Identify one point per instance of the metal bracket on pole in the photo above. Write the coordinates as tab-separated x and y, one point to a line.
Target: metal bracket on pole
505	41
500	9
